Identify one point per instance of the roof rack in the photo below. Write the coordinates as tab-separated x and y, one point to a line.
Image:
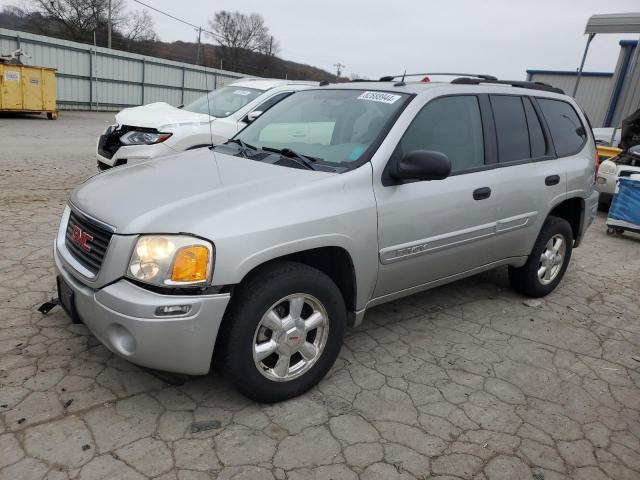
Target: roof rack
390	78
514	83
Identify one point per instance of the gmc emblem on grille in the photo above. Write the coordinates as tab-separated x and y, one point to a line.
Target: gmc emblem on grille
81	238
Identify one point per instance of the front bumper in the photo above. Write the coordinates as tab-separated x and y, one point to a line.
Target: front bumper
134	153
123	317
606	182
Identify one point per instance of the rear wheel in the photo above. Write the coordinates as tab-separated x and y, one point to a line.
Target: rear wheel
547	262
283	331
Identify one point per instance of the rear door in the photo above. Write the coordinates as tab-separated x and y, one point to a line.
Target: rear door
531	178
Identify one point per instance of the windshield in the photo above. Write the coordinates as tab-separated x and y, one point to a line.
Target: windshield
333	126
224	101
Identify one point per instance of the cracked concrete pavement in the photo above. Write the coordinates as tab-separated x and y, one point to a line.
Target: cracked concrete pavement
463	382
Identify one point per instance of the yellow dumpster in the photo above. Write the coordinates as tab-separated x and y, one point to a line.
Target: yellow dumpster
605	153
28	89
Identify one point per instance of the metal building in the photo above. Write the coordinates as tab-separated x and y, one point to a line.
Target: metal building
593	95
95	78
601	94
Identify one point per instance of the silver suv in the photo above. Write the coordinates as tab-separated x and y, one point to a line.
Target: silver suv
339	198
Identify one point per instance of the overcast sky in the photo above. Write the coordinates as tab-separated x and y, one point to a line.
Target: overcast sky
375	37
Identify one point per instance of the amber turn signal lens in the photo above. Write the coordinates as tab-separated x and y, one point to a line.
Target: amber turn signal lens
190	264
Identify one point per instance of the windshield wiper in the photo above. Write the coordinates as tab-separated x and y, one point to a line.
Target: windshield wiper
243	146
300	159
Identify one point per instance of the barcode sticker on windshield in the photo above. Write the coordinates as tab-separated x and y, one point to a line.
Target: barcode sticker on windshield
244	93
379	97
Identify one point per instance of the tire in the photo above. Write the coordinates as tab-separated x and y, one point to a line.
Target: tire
525	279
276	288
604	206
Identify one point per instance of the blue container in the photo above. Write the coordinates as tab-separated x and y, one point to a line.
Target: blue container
625	205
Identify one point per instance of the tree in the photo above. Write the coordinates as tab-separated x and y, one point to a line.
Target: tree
79	19
138	27
239	34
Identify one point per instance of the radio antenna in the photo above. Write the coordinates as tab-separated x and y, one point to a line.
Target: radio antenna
206	76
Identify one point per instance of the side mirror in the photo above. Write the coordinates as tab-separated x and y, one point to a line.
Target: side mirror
253	115
635	152
422	165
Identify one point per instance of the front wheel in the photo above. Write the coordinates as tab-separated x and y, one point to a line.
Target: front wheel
283	331
547	262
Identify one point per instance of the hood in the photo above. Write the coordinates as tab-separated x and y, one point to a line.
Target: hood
178	193
156	115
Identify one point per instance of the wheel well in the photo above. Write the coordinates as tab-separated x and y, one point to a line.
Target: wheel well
571	210
335	262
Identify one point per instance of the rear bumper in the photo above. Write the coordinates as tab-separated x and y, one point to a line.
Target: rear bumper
123	317
589	215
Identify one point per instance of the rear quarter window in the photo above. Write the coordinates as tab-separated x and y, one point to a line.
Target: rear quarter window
567	131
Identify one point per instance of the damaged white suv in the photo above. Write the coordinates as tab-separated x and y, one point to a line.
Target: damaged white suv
159	129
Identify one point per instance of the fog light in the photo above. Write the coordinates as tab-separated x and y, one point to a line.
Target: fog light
601	180
173	310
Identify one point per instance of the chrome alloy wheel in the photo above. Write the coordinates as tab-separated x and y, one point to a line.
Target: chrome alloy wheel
552	259
290	337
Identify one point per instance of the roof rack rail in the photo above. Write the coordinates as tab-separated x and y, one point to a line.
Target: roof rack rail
514	83
390	78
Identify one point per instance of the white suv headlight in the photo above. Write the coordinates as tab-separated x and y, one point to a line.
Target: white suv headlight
608	168
136	137
171	260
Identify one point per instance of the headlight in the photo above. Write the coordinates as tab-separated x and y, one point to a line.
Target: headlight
136	137
171	260
608	167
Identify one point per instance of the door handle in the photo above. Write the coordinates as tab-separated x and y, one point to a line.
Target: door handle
481	193
552	180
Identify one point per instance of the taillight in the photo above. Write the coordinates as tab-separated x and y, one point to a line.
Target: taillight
596	165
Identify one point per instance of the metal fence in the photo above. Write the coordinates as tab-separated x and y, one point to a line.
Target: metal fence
97	78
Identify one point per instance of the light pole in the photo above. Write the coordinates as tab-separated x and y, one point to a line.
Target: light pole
339	66
109	25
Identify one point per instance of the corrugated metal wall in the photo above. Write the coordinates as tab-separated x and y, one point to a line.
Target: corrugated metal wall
99	78
627	84
594	91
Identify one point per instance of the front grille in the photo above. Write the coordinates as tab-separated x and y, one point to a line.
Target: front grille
92	236
109	142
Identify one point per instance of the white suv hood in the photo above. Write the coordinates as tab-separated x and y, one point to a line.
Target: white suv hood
156	115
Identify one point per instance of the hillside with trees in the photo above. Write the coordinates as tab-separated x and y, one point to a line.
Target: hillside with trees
241	42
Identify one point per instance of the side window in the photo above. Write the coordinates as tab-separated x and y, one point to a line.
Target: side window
536	135
567	131
511	127
451	125
263	107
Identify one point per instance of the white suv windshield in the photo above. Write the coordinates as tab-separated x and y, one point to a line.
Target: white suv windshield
333	126
224	101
